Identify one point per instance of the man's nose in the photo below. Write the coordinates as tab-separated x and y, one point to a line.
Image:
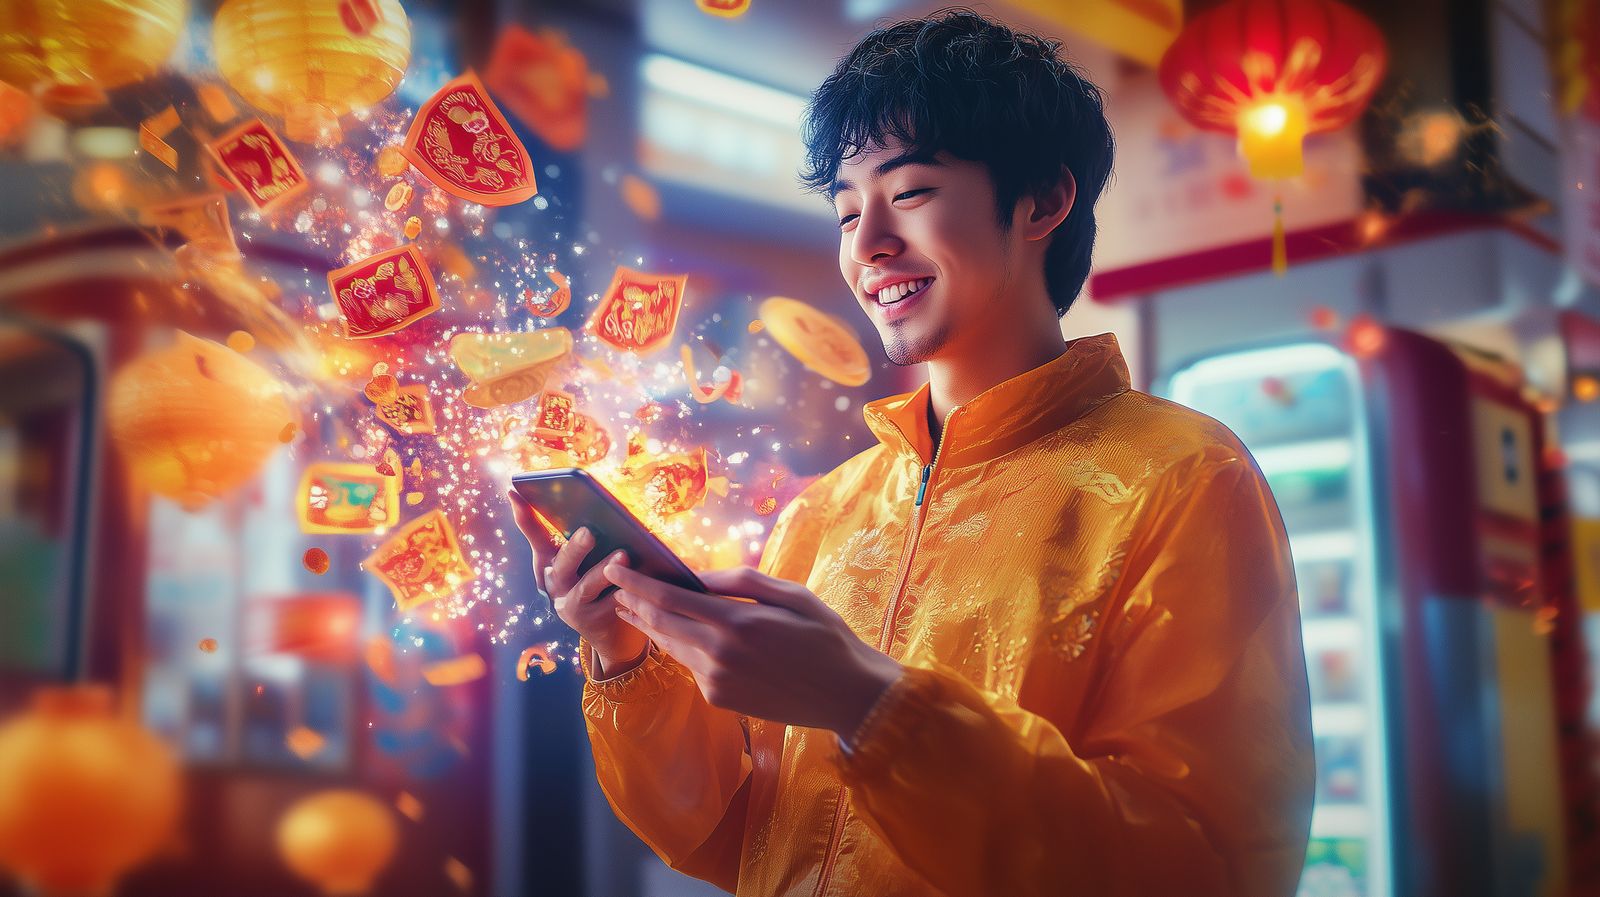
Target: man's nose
874	240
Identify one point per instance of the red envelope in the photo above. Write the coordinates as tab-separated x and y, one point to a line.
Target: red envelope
383	293
544	82
259	164
639	311
461	142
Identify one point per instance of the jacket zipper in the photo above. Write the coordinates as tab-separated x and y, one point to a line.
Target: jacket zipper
886	635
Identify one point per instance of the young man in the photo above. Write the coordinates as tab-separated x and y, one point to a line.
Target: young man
1043	639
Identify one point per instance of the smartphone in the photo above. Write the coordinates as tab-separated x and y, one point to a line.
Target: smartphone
568	498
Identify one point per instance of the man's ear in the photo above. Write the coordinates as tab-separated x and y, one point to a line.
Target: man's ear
1050	207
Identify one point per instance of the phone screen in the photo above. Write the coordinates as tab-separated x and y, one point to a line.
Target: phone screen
568	498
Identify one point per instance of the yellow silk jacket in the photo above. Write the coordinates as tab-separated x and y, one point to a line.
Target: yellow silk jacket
1105	691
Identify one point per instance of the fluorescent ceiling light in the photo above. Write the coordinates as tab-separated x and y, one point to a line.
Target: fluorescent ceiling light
714	88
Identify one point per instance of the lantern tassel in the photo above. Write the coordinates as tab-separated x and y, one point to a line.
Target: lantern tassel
1280	245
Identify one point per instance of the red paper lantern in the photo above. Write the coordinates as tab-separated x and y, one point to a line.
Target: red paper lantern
1272	72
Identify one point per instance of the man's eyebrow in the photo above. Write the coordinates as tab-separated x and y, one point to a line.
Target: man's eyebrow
909	157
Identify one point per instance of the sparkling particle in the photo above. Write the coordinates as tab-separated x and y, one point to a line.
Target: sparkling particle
208	645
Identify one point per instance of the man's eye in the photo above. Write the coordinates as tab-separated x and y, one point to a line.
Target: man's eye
910	193
847	219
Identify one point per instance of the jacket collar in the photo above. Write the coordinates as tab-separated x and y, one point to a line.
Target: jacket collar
1006	415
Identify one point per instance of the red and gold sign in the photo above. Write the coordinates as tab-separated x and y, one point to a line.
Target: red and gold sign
421	562
258	163
589	442
383	293
336	497
544	81
461	142
557	414
639	311
409	412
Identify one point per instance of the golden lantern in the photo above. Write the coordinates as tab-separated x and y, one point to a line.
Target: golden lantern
75	50
339	840
196	419
87	795
300	60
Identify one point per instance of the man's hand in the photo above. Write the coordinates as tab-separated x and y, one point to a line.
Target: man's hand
784	656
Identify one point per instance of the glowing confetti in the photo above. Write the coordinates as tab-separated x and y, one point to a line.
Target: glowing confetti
399	197
558	300
1585	388
458	873
379	654
409	806
766	506
705	395
455	671
461	142
537	656
727	9
383	293
392	162
315	560
421	562
208	645
241	341
259	165
755	326
286	435
639	312
640	197
152	132
304	743
413	498
214	100
413	227
337	497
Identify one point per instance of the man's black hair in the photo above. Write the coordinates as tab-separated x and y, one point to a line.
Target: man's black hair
958	82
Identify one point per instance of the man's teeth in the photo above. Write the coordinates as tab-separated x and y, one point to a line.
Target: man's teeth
889	295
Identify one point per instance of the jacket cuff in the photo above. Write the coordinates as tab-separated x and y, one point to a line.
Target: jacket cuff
891	726
657	673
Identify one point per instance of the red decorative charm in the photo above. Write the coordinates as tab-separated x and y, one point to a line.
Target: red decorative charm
557	415
544	81
259	164
409	412
1273	71
639	311
461	142
383	293
421	562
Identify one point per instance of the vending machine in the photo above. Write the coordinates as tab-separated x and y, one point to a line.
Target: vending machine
1406	473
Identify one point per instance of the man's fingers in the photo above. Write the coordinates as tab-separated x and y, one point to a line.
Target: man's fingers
748	582
594	582
667	628
684	602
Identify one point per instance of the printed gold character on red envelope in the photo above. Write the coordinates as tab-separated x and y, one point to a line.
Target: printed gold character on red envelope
259	164
410	412
421	562
639	311
337	497
461	142
383	293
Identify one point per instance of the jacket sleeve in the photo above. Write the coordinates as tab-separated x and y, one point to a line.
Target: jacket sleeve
675	769
1190	768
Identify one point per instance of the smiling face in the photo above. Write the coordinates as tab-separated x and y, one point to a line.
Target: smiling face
920	247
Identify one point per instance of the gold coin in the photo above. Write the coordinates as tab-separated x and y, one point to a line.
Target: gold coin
819	340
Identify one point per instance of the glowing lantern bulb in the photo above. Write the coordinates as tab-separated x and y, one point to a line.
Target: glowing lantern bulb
1271	137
